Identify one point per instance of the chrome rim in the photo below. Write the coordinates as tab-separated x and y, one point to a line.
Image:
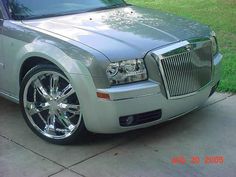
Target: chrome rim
51	105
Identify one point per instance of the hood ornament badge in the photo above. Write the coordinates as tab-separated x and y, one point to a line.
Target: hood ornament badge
189	47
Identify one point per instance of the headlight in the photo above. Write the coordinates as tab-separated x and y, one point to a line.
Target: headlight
214	44
126	72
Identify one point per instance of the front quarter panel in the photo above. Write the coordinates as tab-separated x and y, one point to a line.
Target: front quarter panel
22	43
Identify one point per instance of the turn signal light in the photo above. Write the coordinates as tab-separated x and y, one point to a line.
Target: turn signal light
104	96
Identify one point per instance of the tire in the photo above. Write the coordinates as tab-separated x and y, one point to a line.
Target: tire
50	106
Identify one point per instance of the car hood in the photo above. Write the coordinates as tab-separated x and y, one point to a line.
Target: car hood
123	33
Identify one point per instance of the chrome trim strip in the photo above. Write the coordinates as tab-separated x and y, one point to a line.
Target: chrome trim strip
163	75
129	98
170	48
9	97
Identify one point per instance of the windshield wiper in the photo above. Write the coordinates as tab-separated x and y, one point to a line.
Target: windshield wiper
31	17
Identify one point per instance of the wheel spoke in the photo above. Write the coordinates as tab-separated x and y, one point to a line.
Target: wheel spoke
64	121
41	90
54	80
41	117
66	92
34	108
50	125
71	108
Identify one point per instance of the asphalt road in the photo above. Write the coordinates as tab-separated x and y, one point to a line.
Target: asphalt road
202	143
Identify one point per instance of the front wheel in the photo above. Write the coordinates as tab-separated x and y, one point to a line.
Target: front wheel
50	105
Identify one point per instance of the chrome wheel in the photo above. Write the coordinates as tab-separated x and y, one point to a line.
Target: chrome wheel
51	105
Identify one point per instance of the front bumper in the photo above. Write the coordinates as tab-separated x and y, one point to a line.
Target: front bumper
102	116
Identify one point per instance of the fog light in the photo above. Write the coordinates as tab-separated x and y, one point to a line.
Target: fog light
129	120
142	118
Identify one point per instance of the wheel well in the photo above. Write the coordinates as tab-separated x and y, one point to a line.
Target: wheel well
30	63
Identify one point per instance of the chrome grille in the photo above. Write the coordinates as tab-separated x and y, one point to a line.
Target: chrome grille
188	71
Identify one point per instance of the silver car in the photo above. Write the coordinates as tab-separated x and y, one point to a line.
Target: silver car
102	66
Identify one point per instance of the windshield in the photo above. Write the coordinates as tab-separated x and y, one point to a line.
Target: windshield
30	9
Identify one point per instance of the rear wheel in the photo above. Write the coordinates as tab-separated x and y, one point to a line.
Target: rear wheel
50	105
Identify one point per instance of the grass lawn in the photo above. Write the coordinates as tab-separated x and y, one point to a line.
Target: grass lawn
220	15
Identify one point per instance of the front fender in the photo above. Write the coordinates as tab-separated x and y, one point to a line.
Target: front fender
48	52
54	55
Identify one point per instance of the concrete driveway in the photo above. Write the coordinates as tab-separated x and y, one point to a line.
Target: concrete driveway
158	151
